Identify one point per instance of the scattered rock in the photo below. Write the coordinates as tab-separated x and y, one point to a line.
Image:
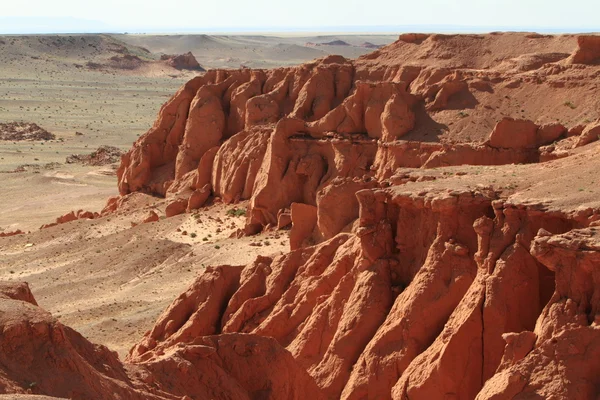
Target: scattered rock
104	155
72	216
590	134
12	233
17	131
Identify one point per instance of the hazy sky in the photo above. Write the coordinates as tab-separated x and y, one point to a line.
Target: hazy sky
265	15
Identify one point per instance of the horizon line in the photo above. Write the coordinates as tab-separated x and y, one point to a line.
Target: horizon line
103	28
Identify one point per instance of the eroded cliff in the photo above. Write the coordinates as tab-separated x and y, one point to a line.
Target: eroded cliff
443	203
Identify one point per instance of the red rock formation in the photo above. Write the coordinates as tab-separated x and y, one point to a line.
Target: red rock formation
17	291
511	133
558	357
418	301
590	134
12	233
151	217
399	285
588	51
39	355
281	136
182	61
304	222
72	216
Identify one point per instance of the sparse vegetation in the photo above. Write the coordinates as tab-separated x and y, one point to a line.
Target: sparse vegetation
570	105
236	212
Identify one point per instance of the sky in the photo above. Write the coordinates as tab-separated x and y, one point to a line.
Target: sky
44	16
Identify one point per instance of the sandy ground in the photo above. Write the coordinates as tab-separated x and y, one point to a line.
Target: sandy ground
110	281
42	84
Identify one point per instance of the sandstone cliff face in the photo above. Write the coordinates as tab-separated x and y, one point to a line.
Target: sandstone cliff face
40	355
405	279
291	135
588	51
425	298
564	344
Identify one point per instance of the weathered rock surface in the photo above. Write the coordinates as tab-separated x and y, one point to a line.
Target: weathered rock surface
558	357
423	297
588	51
182	61
291	135
39	355
72	216
419	301
11	233
401	282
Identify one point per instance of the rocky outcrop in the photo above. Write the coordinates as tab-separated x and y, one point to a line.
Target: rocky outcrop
437	85
557	357
590	133
217	131
588	50
17	291
104	155
12	233
24	131
283	136
39	355
182	61
72	216
418	300
512	133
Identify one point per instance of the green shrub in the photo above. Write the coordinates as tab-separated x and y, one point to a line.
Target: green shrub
236	212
